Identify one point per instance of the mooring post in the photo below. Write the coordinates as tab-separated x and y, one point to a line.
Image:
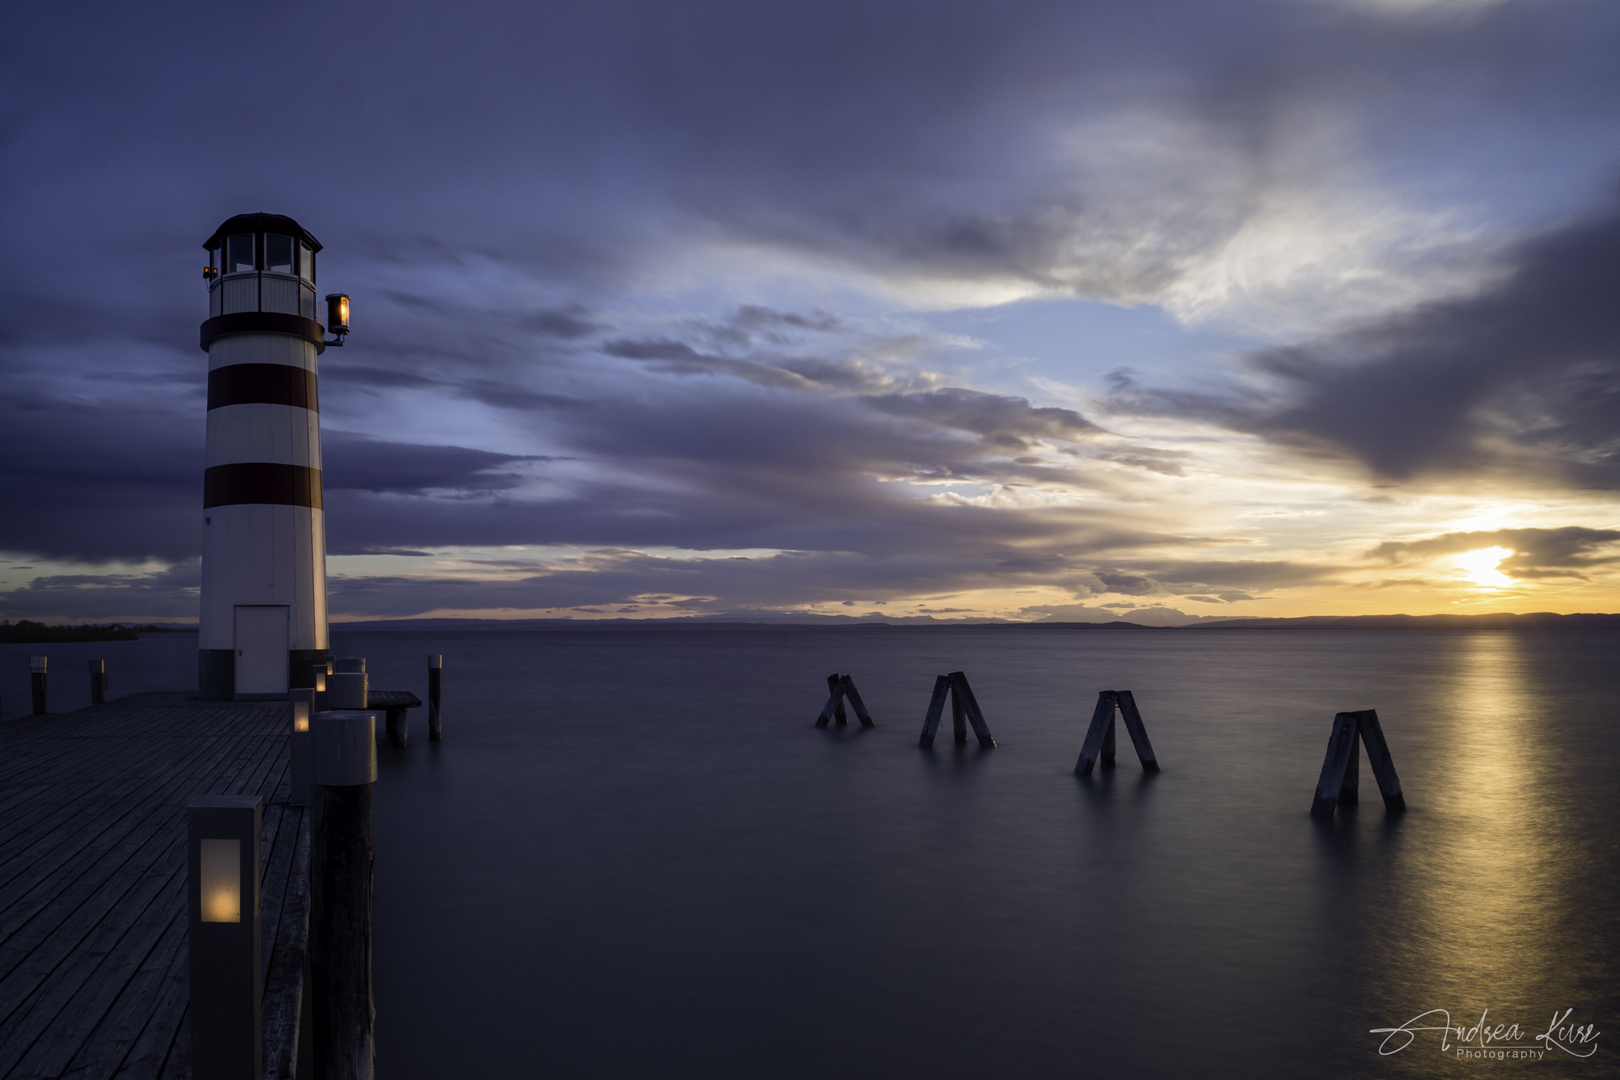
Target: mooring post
435	673
961	689
834	702
345	766
1136	729
346	687
36	677
1108	740
222	898
840	717
936	707
958	718
98	682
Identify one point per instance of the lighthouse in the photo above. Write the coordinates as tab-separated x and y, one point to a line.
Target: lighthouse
263	618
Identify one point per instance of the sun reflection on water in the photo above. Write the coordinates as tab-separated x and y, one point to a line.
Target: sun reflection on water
1484	870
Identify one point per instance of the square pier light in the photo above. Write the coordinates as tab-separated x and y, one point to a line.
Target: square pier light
222	897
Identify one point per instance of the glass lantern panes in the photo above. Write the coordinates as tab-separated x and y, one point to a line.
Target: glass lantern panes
239	254
306	262
278	253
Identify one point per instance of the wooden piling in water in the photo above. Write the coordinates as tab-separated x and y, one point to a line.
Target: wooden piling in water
435	674
1099	741
1340	778
98	682
36	680
964	711
843	686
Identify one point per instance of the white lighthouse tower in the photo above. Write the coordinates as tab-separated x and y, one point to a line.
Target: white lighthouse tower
263	623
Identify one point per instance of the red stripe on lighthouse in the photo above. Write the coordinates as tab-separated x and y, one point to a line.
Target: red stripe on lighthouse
262	384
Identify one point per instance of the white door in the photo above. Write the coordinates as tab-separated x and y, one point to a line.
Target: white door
261	649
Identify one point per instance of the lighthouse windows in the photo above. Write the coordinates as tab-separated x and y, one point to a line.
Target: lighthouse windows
239	254
278	253
306	262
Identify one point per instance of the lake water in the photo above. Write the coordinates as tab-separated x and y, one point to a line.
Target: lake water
633	855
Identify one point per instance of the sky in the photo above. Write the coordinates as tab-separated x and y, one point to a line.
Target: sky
1159	311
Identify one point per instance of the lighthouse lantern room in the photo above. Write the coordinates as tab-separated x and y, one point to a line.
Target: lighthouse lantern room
263	618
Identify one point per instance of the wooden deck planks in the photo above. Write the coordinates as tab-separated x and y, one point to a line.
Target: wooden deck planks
93	954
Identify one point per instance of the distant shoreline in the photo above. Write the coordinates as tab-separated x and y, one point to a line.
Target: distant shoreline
41	634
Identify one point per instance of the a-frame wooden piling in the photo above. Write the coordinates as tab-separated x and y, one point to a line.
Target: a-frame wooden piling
1341	769
964	711
1099	740
843	686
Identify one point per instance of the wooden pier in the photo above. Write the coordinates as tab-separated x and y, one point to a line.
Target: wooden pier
93	940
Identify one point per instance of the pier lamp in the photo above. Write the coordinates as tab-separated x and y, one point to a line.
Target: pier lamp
298	748
222	897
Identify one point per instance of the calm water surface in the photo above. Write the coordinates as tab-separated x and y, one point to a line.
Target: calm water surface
634	856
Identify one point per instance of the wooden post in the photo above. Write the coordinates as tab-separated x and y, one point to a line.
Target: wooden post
340	919
961	689
834	702
1383	766
958	718
1350	787
847	684
936	707
98	682
1108	741
36	677
1102	723
399	725
1341	741
840	717
435	673
1137	730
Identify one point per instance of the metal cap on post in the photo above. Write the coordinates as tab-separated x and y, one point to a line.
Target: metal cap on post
222	898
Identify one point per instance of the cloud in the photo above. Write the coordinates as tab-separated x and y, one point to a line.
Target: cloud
1536	553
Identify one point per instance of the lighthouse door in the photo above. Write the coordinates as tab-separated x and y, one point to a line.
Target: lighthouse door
261	649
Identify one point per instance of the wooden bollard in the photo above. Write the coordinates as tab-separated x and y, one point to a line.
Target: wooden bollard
435	679
964	710
98	682
1099	742
344	759
844	687
36	679
1341	769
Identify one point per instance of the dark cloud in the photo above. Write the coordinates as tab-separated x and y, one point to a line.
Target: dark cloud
360	463
1523	377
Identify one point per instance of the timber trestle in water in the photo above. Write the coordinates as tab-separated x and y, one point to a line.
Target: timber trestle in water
93	923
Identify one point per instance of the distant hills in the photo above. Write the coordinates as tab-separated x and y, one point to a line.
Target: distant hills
1495	621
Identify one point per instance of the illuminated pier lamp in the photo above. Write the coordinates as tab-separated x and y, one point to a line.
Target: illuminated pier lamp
263	616
222	896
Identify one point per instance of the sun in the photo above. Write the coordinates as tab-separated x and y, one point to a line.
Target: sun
1480	567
